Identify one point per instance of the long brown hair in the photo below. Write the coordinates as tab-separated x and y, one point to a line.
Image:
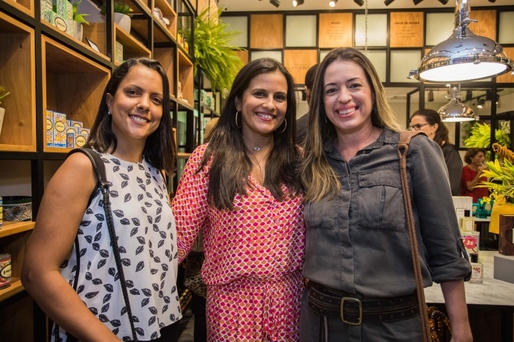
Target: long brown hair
231	164
317	175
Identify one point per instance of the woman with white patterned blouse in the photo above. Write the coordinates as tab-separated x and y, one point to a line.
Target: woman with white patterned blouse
69	267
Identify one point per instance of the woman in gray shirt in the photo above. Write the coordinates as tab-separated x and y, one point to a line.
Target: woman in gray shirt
357	246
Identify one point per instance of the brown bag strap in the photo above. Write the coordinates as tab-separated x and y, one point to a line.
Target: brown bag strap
403	149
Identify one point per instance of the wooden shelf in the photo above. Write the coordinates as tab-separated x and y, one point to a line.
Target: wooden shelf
186	77
25	6
11	228
17	43
166	56
131	46
169	13
72	84
15	288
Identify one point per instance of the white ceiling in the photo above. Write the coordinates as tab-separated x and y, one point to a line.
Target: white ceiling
315	5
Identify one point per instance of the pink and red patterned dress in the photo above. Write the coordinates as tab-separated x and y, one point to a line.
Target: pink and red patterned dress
253	257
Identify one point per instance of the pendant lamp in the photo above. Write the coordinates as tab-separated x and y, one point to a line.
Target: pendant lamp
456	111
464	56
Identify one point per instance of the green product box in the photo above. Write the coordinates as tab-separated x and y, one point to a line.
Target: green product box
46	5
49	16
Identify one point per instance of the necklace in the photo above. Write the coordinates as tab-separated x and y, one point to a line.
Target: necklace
257	148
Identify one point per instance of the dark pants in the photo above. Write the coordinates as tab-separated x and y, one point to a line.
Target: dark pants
200	327
169	333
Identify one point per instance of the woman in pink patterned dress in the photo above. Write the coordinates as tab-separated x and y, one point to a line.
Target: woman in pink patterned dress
243	190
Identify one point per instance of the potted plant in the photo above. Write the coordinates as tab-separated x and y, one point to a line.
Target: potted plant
78	21
212	50
3	93
122	14
500	182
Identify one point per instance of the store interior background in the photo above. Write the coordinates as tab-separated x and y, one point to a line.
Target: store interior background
404	99
405	96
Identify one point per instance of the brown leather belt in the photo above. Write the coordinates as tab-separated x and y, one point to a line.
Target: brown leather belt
354	310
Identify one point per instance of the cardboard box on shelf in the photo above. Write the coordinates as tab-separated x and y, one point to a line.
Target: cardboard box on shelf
49	119
59	129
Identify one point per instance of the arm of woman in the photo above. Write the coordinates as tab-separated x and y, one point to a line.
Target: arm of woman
475	180
62	208
455	301
189	205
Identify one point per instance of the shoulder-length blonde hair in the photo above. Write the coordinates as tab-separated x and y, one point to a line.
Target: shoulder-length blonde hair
318	177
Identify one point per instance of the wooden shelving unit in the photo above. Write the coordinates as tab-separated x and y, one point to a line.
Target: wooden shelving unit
45	68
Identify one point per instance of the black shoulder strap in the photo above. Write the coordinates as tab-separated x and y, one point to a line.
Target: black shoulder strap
98	164
99	167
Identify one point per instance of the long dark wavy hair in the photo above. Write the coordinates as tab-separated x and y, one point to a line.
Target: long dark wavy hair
160	149
231	163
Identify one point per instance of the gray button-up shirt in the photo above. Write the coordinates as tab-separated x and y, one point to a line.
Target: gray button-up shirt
358	242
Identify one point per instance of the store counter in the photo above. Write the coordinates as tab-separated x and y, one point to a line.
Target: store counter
490	304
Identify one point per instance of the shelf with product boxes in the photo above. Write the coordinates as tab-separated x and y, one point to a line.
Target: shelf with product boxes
56	81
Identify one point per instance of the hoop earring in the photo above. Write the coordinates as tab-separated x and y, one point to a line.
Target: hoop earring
237	117
285	126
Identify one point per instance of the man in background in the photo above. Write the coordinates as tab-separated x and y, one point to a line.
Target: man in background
302	122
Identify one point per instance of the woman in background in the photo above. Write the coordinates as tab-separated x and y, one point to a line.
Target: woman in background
243	190
472	174
429	122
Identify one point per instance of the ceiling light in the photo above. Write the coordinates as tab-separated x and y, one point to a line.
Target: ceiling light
463	56
444	2
481	103
297	2
416	2
455	111
358	2
333	3
275	3
388	2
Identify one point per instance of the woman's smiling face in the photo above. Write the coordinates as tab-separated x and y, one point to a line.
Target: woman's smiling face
347	96
264	103
136	107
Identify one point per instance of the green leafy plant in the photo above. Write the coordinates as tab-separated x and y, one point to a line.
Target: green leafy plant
79	17
212	50
481	135
119	7
500	179
3	93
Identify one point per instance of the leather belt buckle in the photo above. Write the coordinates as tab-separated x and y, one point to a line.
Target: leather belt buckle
351	300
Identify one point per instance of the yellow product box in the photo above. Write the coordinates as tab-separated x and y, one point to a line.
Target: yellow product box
59	129
70	136
85	131
77	125
80	140
49	122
